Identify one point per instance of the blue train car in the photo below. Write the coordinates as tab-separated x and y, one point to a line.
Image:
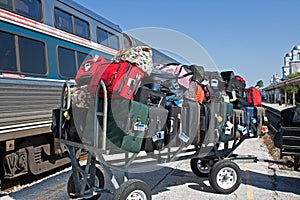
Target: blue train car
42	44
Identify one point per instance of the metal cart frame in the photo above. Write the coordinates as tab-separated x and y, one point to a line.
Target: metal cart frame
87	181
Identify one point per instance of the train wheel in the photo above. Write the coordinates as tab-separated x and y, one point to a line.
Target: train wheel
99	183
200	168
133	189
225	177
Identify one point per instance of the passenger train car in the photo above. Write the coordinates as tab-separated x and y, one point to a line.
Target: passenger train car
42	44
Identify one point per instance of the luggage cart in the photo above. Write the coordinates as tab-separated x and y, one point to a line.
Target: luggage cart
87	181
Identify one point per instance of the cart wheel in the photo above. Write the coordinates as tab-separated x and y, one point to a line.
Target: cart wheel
133	190
99	183
200	167
225	177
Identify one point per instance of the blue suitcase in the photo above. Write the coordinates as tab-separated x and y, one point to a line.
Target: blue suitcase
250	121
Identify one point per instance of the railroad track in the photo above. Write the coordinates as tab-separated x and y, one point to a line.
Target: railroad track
274	118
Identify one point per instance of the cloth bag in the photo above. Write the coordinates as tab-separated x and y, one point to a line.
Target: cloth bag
141	56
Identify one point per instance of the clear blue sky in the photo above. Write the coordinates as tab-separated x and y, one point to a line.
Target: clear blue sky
248	37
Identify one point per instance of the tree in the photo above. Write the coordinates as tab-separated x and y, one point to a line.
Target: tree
260	84
291	89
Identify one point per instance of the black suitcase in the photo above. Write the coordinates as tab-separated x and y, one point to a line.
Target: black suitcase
172	127
236	86
154	139
198	73
204	121
148	96
227	75
216	86
216	116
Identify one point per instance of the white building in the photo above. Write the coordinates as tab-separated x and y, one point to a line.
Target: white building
291	62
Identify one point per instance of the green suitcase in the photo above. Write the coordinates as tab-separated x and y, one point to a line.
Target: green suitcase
126	121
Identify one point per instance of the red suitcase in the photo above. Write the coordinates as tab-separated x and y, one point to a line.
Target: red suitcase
121	79
87	69
254	97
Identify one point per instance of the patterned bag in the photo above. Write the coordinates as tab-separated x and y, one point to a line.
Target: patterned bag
141	56
80	97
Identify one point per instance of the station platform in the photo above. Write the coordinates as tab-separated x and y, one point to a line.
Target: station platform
277	106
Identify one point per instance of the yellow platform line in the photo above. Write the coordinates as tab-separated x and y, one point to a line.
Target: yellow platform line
249	189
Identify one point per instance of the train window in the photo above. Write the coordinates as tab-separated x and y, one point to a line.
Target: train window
71	24
32	56
29	8
7	52
82	57
127	41
113	41
107	39
67	62
81	28
6	4
102	36
63	20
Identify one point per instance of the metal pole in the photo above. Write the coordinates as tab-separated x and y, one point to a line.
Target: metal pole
285	97
294	96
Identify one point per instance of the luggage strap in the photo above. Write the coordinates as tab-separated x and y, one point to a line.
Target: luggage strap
199	131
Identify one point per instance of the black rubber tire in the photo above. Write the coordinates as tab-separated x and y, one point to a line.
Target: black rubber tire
99	183
225	177
200	168
133	187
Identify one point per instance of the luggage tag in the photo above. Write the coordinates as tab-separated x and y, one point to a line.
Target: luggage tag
132	82
171	125
87	67
266	118
228	128
233	93
139	127
158	136
226	98
229	124
242	129
253	120
183	137
214	83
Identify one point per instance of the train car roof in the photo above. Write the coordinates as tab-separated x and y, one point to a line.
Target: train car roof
80	8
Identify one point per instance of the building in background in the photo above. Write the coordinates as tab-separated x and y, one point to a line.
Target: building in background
291	62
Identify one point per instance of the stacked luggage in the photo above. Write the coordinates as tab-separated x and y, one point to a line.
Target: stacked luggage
168	105
247	102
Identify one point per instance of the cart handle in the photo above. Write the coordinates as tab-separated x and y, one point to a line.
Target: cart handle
64	105
97	112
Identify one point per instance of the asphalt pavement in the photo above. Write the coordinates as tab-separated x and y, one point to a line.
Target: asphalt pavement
175	181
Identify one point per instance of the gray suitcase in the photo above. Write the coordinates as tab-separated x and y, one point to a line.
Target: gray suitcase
260	114
190	114
154	139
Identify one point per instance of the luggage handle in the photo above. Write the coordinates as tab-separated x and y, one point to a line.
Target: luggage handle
182	66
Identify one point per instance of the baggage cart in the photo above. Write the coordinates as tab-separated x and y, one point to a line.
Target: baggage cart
87	181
